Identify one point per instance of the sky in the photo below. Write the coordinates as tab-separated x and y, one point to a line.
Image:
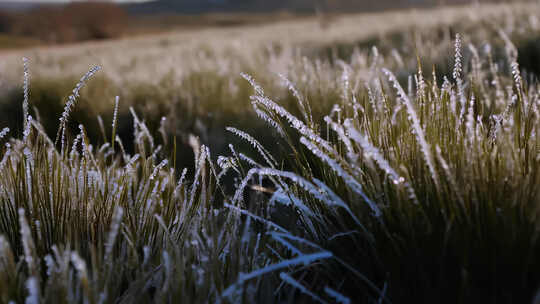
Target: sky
45	1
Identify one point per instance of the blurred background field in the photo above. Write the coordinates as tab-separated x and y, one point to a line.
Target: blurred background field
58	22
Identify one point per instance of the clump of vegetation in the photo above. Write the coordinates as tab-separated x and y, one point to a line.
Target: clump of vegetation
428	194
73	22
84	223
366	190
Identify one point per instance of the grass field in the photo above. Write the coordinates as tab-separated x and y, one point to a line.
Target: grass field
382	158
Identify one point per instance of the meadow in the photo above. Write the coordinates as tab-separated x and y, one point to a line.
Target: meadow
379	158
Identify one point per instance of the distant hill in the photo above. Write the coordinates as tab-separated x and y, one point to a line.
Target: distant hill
298	6
255	6
16	6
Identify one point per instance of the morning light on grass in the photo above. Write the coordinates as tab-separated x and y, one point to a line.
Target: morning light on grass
292	152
